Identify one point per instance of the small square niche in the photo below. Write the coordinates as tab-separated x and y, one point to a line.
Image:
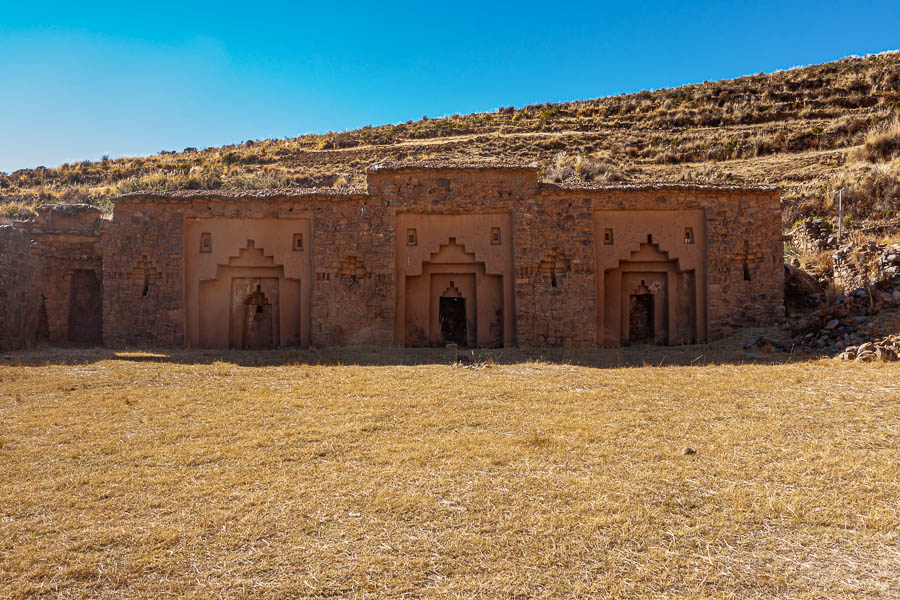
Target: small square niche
205	242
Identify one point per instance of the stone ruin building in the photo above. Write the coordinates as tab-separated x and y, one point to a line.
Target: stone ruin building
428	255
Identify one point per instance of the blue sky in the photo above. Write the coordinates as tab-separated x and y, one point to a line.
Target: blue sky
80	80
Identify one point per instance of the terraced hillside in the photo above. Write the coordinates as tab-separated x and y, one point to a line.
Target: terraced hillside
809	130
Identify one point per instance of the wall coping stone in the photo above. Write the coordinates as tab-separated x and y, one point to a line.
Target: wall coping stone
188	196
658	186
446	165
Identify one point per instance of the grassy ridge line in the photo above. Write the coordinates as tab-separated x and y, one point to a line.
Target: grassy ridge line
699	132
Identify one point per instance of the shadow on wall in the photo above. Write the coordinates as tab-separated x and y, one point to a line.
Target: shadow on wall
726	351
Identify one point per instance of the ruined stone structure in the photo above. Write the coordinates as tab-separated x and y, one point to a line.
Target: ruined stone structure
428	255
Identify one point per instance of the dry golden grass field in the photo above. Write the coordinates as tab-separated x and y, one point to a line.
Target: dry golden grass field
365	475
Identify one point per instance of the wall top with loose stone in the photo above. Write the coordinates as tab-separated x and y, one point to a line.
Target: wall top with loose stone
446	165
711	189
522	176
58	218
188	196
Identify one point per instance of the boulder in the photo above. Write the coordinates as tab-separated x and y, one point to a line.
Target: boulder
865	356
867	347
801	291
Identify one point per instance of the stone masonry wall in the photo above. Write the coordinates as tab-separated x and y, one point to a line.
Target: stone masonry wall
144	243
545	315
745	260
352	301
353	271
555	293
354	266
743	227
67	239
20	289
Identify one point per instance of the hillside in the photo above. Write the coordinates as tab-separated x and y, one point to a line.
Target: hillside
809	130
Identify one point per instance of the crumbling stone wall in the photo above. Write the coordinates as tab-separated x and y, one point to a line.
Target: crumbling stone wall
20	289
67	239
353	269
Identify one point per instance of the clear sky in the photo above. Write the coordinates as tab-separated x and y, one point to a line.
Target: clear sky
82	79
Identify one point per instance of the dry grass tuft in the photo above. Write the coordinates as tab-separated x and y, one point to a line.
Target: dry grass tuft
882	143
243	475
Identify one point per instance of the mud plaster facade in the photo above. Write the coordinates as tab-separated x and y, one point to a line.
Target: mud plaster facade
476	255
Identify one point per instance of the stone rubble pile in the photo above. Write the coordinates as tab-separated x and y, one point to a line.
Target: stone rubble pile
845	327
889	262
887	349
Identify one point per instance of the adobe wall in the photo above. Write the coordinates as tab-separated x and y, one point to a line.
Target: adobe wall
20	289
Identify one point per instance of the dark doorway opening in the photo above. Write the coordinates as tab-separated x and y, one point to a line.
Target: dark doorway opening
258	332
85	308
640	322
452	316
43	321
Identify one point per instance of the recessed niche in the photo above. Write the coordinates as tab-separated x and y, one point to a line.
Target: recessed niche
205	242
495	236
411	238
297	245
688	235
608	236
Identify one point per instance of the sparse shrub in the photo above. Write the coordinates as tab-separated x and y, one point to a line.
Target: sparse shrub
14	211
566	167
875	191
256	181
882	143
